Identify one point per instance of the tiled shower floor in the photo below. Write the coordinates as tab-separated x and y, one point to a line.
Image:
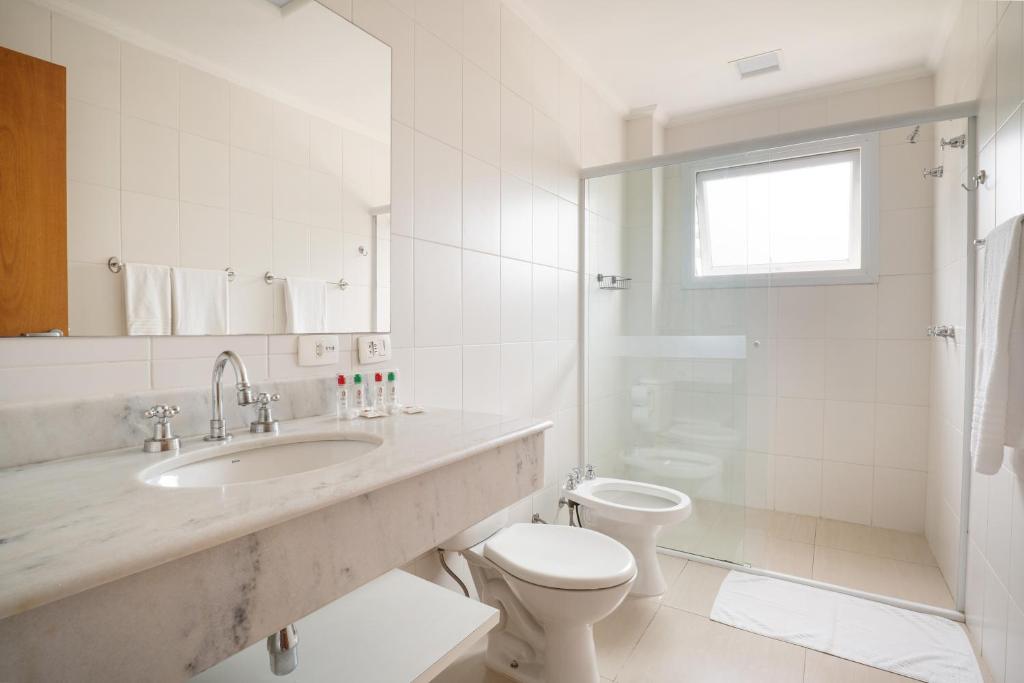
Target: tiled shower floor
893	563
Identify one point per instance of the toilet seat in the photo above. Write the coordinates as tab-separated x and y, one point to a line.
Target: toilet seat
632	502
555	556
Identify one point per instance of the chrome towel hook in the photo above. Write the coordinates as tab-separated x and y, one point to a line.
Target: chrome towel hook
976	181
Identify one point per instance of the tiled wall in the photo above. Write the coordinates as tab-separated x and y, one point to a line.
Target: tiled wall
169	164
983	59
489	129
831	405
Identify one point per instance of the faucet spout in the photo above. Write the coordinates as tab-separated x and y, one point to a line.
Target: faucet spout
218	428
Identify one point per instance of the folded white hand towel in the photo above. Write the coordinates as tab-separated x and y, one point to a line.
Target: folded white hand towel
999	412
147	299
305	305
200	301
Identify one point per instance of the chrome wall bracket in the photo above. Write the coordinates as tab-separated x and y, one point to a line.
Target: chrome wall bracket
944	331
976	181
959	142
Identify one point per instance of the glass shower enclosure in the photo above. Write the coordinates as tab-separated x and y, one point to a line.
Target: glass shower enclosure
751	312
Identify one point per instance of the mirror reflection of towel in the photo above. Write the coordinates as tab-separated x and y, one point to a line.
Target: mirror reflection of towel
147	299
305	305
200	301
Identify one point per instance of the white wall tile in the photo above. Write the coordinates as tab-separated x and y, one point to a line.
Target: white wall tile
801	368
149	158
403	172
438	89
545	77
251	121
545	227
516	53
25	27
798	485
905	241
545	152
203	233
481	114
481	298
89	285
93	61
150	228
904	306
291	134
481	206
204	107
846	492
94	143
251	182
849	434
438	377
516	135
902	437
402	292
438	295
94	222
903	372
482	34
326	148
899	499
204	171
851	311
545	303
149	86
516	301
251	242
850	369
546	381
481	378
443	18
568	235
568	305
799	427
291	249
291	192
383	20
516	395
802	312
438	191
516	218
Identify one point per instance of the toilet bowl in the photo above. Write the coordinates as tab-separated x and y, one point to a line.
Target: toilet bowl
632	513
697	474
551	584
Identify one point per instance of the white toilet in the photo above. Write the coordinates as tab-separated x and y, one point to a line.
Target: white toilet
632	513
551	583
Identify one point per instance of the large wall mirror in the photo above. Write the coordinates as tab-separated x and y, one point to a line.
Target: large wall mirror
193	167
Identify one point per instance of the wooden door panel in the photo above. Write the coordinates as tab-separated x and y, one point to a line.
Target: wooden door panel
33	195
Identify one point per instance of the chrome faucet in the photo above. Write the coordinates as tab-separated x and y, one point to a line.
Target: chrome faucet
218	430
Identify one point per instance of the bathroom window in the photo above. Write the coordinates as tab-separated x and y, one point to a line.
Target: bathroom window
805	214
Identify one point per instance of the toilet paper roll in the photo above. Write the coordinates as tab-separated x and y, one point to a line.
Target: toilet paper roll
641	395
641	415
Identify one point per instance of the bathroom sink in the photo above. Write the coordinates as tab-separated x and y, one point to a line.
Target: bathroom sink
224	465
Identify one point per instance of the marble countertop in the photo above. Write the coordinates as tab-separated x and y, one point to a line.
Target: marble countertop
70	525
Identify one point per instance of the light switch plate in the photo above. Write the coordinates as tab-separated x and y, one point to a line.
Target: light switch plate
374	348
318	349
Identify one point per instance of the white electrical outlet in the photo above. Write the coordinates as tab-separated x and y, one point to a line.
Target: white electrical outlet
374	348
318	349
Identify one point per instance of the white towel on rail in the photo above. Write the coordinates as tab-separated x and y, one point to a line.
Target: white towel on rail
998	418
147	299
305	305
199	299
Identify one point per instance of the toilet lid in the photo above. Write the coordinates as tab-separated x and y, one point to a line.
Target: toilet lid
556	556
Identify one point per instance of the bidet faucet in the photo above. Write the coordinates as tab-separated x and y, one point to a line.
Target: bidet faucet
218	430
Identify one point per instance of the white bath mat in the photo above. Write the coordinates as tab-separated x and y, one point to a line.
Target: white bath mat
920	646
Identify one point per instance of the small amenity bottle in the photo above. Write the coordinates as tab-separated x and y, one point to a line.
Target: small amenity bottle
360	391
391	401
345	410
378	391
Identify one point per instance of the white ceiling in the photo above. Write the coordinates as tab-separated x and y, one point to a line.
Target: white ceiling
306	56
676	53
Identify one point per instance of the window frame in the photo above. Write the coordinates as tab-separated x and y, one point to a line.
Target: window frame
867	144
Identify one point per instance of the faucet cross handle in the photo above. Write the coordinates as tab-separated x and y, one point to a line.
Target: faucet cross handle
265	422
589	472
162	412
163	438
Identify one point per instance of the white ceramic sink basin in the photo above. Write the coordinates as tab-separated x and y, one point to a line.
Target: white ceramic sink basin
249	461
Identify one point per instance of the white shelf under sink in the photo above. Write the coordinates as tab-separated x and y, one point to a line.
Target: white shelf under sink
395	629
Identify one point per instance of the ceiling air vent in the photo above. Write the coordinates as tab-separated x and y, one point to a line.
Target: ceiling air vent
758	64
